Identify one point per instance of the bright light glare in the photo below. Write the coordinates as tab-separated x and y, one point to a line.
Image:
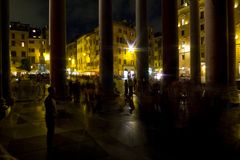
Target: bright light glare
125	74
150	71
131	48
158	76
131	45
46	56
236	37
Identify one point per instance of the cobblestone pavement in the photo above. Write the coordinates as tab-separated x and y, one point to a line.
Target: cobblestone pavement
115	133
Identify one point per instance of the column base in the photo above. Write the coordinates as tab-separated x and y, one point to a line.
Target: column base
4	109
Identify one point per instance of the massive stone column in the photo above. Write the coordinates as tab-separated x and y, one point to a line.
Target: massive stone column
170	41
106	45
2	101
58	46
5	53
195	60
231	44
216	44
4	14
142	40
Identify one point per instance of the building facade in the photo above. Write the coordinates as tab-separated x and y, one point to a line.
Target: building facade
124	55
27	45
184	37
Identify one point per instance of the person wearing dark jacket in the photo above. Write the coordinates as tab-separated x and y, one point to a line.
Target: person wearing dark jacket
50	115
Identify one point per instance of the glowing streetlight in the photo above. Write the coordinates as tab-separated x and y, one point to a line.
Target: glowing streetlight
131	48
131	45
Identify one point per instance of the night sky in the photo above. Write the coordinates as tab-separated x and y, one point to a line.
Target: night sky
82	15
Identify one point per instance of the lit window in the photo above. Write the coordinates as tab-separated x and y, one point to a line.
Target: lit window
236	36
23	44
183	21
132	62
236	4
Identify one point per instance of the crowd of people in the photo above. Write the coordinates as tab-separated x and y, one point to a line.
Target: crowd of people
85	89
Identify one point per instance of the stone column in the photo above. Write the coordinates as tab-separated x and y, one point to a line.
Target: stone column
4	86
106	45
5	53
195	60
216	44
2	101
142	40
231	44
57	33
170	41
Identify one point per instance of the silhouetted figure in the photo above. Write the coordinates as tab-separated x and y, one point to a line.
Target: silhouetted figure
51	112
125	88
129	103
130	87
70	85
134	83
76	91
144	85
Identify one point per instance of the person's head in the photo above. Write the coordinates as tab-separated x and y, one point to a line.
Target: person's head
51	90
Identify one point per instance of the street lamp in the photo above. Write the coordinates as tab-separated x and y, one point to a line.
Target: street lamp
131	48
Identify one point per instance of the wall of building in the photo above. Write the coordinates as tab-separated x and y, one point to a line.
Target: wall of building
27	42
124	59
184	36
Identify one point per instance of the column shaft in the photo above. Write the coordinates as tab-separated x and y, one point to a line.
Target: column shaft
5	52
106	45
1	57
58	46
170	41
142	40
216	43
231	43
195	60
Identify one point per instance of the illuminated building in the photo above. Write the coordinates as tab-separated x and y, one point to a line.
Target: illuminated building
26	43
18	41
124	50
155	60
184	37
71	56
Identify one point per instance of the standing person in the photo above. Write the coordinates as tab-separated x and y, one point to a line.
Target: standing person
70	86
76	91
130	87
125	88
50	115
134	83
